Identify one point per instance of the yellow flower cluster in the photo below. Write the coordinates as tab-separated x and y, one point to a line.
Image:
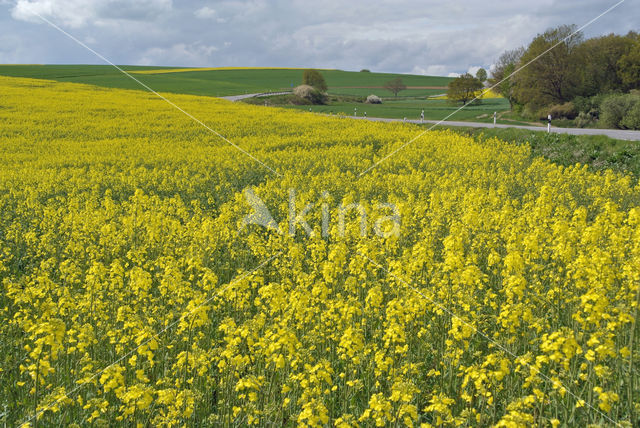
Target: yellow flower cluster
128	296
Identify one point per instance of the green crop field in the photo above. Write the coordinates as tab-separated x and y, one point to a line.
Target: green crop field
385	94
224	82
433	109
210	82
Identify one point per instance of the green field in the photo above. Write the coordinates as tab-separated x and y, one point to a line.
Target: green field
240	81
433	109
383	93
223	82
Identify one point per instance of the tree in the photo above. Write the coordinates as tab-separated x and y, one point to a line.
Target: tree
549	77
395	85
314	78
597	63
559	67
464	88
481	75
629	67
500	75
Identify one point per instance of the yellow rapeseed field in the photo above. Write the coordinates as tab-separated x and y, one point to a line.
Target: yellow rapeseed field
133	294
483	94
182	70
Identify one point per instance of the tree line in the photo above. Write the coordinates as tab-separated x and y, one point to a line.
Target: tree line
570	77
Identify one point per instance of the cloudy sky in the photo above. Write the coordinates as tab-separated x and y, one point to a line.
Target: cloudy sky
424	37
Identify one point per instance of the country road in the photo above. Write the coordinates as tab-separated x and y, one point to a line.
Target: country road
260	94
618	134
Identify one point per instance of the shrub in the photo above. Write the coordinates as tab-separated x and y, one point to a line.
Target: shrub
298	101
373	99
590	105
619	111
535	112
631	119
583	104
309	93
584	119
563	111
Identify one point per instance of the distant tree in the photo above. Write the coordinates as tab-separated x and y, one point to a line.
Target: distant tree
464	88
395	85
629	67
314	78
550	77
481	75
500	75
365	70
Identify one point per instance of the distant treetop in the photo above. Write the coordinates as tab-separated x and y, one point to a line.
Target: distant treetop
314	78
395	85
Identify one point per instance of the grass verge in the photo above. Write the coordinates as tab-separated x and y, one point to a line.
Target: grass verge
598	152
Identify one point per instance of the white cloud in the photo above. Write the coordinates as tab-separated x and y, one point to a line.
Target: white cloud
73	13
431	70
81	13
473	69
209	14
178	54
205	13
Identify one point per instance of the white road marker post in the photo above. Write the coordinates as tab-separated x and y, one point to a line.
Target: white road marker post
549	123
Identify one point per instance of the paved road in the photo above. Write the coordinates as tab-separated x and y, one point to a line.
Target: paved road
260	94
618	134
